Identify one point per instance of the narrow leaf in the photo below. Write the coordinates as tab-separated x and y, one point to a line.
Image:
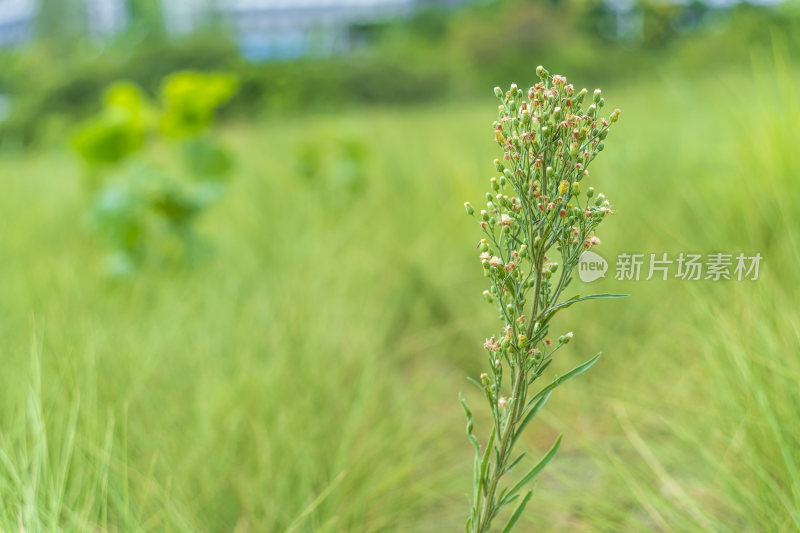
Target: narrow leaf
531	414
580	369
487	454
575	299
474	382
514	463
470	425
517	512
533	472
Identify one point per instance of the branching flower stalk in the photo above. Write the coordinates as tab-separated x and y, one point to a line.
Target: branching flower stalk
536	213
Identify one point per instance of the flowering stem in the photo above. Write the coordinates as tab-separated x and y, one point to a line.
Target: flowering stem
534	206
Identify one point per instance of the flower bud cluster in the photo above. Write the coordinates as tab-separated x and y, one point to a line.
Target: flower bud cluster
537	205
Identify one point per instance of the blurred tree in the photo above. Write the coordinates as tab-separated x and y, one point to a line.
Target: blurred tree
61	24
146	17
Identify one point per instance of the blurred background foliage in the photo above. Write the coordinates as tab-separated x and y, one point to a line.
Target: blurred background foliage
435	53
304	376
137	204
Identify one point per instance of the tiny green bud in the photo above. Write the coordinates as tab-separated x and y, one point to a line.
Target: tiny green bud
498	92
498	165
590	192
470	210
542	72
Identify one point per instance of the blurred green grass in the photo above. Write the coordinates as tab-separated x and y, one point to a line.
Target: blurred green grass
305	378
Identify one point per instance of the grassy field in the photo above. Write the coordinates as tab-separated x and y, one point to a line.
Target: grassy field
305	377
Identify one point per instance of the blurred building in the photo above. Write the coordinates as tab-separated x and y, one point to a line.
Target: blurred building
263	28
18	18
17	21
268	29
106	17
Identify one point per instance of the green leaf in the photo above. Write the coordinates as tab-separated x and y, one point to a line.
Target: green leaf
485	462
474	382
547	315
531	414
580	369
504	502
517	512
470	425
514	463
533	472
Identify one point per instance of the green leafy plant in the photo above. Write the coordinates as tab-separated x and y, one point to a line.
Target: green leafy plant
143	209
536	214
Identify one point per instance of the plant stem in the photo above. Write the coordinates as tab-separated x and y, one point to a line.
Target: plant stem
518	395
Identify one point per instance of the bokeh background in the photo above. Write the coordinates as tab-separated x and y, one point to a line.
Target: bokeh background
238	291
